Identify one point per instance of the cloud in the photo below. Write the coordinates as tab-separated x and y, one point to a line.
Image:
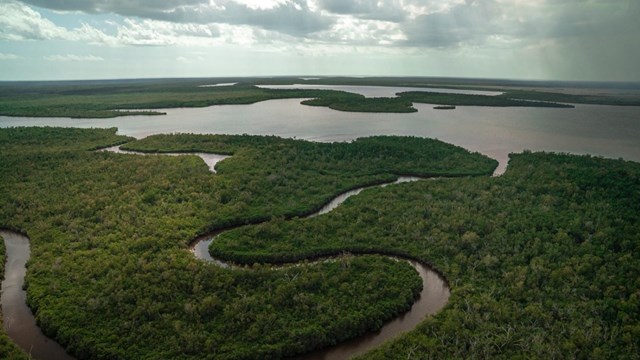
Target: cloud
71	57
162	33
293	17
467	23
475	22
19	22
387	10
4	56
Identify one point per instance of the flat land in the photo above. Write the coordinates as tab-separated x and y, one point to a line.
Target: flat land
101	99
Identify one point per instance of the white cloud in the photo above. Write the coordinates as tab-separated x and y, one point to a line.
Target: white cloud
153	32
293	17
603	31
261	4
4	56
20	22
71	57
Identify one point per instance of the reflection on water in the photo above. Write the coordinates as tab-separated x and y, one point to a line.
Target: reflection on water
610	131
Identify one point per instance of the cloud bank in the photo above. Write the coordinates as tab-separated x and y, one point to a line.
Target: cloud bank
573	35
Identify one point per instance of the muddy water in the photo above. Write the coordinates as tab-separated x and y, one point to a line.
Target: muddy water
19	322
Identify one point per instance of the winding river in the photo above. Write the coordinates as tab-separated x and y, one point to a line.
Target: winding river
21	326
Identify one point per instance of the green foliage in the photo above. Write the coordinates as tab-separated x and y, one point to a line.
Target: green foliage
111	277
20	140
104	100
543	261
363	104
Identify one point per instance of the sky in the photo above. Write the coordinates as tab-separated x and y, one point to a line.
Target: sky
584	40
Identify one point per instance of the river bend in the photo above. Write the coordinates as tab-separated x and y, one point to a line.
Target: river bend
21	326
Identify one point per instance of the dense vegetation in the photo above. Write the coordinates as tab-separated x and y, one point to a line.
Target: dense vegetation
110	275
111	100
362	104
8	349
543	261
100	99
473	100
625	94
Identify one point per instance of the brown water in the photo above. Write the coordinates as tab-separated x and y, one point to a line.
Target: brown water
19	322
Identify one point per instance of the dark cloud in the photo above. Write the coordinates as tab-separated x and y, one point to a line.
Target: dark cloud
293	17
387	10
475	22
605	18
471	22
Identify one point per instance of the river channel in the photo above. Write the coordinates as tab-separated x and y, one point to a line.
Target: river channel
21	326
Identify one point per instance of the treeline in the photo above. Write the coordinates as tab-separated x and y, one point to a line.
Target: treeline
110	275
111	99
284	177
476	100
543	261
364	104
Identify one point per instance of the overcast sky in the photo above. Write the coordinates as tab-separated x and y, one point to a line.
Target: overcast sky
515	39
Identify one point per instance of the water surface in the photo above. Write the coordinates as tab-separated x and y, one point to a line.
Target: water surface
19	322
610	131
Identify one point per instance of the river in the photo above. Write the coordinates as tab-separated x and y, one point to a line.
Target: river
21	326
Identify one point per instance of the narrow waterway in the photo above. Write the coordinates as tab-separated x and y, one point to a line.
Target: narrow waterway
19	322
210	159
433	297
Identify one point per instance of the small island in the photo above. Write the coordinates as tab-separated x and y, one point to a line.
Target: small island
444	107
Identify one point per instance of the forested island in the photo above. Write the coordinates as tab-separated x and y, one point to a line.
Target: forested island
105	99
542	261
